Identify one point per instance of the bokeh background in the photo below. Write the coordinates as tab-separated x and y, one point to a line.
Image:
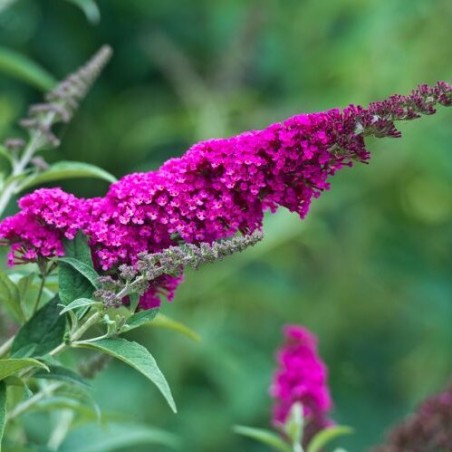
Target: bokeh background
369	270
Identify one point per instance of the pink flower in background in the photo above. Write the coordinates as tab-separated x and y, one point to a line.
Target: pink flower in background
218	188
301	377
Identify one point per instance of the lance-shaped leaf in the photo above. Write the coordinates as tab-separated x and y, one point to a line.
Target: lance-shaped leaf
12	366
77	279
140	318
264	436
61	373
42	333
86	271
78	248
115	436
66	170
80	303
136	356
322	438
90	8
163	321
21	67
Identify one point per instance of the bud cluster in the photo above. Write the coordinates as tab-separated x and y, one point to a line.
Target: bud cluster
171	261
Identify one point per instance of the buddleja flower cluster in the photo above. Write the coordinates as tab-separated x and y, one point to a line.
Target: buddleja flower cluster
218	188
301	377
429	429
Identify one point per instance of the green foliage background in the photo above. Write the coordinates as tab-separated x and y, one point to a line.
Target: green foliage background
369	270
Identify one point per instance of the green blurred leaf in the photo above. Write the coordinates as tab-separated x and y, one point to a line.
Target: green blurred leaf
2	411
61	373
66	170
80	303
116	436
163	321
14	380
10	297
6	154
88	408
24	283
42	333
140	318
90	8
136	356
76	279
264	436
4	4
57	402
322	438
12	366
18	66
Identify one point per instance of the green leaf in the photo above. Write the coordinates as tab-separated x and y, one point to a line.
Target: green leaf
42	333
62	402
12	366
136	356
24	284
72	283
61	373
80	303
77	279
115	436
6	154
322	438
78	248
88	406
264	436
140	318
66	170
57	402
10	297
90	8
2	411
86	271
14	380
22	68
163	321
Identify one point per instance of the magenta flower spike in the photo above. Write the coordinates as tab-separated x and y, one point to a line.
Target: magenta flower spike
218	188
301	377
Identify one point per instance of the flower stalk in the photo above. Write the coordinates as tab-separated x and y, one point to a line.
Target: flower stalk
61	104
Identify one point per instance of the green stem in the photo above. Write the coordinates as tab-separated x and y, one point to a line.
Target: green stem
19	166
41	289
63	346
6	346
65	418
24	406
77	334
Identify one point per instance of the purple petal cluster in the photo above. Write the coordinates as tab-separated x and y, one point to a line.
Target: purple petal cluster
218	188
428	429
45	218
301	377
